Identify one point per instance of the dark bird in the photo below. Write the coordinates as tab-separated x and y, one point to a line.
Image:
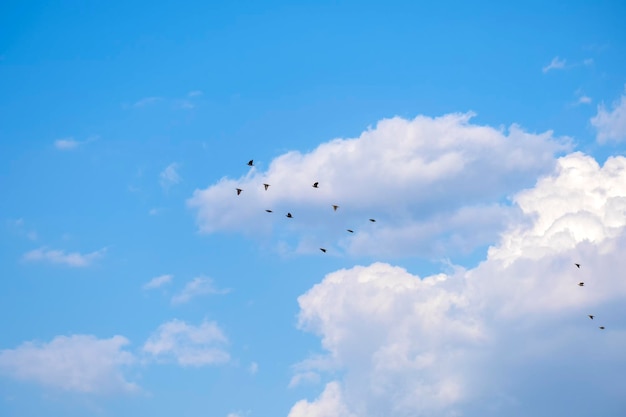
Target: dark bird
239	190
323	250
350	230
591	316
269	211
289	215
315	185
601	327
581	284
251	163
372	220
266	186
577	266
335	207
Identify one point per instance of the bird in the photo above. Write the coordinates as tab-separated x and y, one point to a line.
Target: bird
350	230
601	327
239	190
251	163
577	266
289	215
266	186
591	316
315	185
269	211
335	207
581	284
323	250
372	220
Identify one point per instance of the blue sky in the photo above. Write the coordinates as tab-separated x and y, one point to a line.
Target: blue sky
486	140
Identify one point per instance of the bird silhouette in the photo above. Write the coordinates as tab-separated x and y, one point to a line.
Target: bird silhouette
251	163
239	190
269	211
350	230
591	316
315	185
372	220
577	266
581	284
289	215
266	186
601	327
335	207
323	250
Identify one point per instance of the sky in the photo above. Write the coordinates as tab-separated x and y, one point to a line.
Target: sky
486	141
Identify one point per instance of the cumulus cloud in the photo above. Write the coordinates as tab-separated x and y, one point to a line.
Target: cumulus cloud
611	124
157	282
169	176
556	63
432	184
187	344
78	363
197	287
494	339
73	259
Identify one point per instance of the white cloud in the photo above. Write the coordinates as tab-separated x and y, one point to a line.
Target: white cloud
253	368
432	184
79	363
73	259
147	101
584	99
491	340
169	176
157	282
611	124
66	144
556	63
197	287
188	345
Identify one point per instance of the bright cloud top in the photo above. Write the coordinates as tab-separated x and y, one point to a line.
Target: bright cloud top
611	124
497	334
187	344
79	363
435	180
73	259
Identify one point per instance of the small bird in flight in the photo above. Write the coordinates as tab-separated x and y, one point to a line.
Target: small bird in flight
581	284
372	220
577	266
266	186
289	215
601	327
315	185
335	207
591	316
251	163
350	230
269	211
239	190
323	250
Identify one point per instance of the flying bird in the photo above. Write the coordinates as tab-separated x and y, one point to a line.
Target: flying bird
239	190
601	327
581	284
577	266
323	250
289	215
372	220
251	163
269	211
335	207
350	230
315	185
591	316
266	186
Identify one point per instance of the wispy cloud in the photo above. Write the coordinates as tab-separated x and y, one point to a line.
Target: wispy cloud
194	93
67	144
611	124
169	176
197	287
73	259
187	344
147	101
556	63
157	282
78	363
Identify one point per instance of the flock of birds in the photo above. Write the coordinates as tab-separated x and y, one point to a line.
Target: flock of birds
289	215
582	284
335	207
